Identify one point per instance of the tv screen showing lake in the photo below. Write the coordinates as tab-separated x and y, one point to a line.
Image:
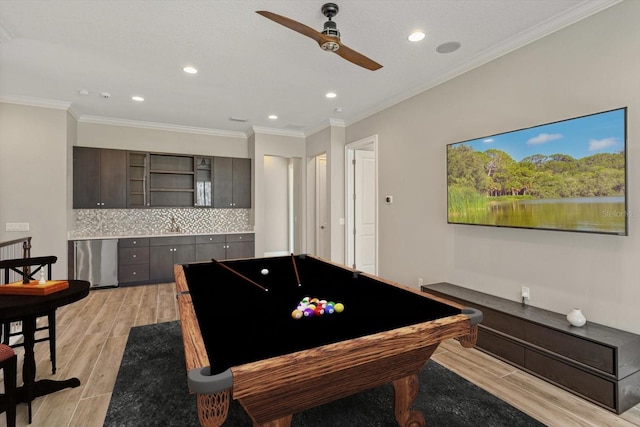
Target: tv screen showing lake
569	175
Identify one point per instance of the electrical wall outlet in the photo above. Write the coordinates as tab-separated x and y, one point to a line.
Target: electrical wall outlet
525	293
17	226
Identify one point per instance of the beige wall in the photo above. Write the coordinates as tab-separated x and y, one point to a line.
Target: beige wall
591	66
33	178
157	140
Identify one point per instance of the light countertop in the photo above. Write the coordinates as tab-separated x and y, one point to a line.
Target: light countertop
73	235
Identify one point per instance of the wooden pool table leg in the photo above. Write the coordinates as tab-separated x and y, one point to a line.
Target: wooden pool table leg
406	390
280	422
469	341
213	408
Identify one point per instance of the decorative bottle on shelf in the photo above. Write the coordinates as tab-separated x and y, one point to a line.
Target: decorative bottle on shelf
42	280
576	318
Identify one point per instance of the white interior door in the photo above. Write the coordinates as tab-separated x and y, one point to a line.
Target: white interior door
362	205
322	214
365	211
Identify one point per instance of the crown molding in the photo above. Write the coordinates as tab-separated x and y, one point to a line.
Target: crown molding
36	102
159	126
278	132
337	122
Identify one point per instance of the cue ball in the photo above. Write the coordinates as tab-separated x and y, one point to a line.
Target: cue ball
264	271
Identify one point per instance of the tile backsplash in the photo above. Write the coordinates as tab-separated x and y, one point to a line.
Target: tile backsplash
123	222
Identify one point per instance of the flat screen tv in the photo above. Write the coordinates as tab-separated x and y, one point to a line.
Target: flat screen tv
568	175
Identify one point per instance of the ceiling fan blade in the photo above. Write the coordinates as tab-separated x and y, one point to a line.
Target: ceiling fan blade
293	25
357	58
343	51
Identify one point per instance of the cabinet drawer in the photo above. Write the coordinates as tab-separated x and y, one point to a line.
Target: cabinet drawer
502	322
212	238
501	347
590	353
133	256
242	237
133	242
133	273
584	383
172	241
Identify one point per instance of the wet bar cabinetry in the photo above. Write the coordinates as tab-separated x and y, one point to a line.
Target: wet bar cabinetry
231	182
171	180
107	178
133	260
164	252
596	362
221	246
99	178
151	259
138	183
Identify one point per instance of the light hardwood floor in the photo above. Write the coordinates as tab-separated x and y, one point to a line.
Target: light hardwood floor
92	334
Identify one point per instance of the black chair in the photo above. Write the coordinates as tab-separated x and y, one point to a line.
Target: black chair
8	363
29	269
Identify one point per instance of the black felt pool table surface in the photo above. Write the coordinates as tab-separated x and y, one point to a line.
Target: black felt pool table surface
241	322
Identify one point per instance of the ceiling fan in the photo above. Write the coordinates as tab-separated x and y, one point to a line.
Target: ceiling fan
328	38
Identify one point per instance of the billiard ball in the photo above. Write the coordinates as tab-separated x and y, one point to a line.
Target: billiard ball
264	271
339	307
296	314
329	309
308	312
319	311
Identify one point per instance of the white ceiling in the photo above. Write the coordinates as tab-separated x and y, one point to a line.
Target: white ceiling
249	66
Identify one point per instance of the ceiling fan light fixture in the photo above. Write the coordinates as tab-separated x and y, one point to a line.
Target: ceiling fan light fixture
328	39
331	30
330	46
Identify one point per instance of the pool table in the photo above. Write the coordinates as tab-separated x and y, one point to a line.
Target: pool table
241	340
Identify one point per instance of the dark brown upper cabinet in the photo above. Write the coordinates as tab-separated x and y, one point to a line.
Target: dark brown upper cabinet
99	178
231	182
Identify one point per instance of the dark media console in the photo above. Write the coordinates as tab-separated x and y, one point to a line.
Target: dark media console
596	362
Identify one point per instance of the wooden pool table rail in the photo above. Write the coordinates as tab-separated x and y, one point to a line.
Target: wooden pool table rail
271	391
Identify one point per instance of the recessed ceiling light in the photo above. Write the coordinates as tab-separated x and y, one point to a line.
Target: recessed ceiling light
83	92
416	36
190	69
331	95
137	98
448	47
273	117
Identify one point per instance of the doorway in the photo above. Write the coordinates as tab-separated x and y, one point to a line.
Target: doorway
362	204
282	190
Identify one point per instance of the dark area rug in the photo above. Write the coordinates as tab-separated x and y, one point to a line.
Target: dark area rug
151	390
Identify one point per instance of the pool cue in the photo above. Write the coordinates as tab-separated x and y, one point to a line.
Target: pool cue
239	274
295	268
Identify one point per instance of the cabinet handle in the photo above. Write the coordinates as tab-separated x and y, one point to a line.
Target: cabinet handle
134	255
134	242
134	273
